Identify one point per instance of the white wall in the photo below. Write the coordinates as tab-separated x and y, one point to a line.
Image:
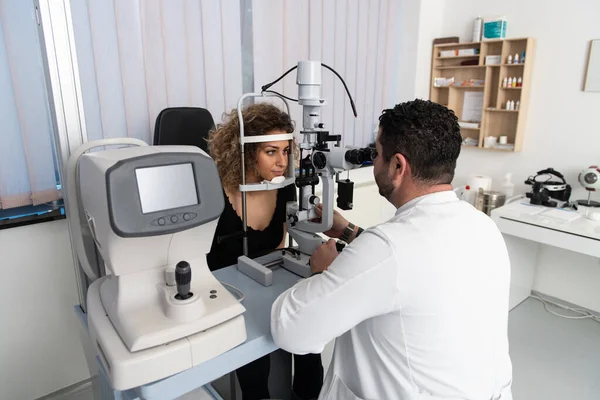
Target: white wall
562	122
563	128
40	349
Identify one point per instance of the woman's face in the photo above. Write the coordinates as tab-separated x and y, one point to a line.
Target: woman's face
272	159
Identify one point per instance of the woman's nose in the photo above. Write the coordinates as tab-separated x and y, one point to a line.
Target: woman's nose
282	159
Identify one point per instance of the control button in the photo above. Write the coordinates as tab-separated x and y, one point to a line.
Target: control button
161	221
213	292
319	160
187	217
174	218
212	296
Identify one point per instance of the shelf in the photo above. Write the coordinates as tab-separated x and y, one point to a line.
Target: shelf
468	87
486	82
501	110
461	67
500	150
479	43
453	57
458	44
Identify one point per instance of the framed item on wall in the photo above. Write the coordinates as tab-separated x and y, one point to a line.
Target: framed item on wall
592	75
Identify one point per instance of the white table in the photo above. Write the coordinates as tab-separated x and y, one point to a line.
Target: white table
527	227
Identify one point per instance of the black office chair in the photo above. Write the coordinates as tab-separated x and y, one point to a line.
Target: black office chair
187	126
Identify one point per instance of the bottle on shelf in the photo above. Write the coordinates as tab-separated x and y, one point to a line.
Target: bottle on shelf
516	58
505	82
519	82
514	81
517	105
509	60
523	57
509	83
477	29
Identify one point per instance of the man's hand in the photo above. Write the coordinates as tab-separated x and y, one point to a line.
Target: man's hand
339	223
323	256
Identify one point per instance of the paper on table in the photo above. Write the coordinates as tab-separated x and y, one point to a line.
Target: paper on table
528	209
563	215
472	106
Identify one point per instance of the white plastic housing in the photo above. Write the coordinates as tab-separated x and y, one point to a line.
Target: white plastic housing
125	255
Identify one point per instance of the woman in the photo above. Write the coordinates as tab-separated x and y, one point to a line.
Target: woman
266	216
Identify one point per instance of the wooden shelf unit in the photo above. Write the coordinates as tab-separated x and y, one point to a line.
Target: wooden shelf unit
495	119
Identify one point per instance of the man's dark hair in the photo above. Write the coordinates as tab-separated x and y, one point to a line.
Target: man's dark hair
427	134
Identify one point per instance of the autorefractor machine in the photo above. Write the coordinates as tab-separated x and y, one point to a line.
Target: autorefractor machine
142	219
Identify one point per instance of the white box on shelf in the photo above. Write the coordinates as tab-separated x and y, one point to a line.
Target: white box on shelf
493	60
448	53
464	124
467	52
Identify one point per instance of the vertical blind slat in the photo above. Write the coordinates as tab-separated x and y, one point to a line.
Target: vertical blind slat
24	58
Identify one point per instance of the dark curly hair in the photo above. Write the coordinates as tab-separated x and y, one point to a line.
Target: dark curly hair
427	134
224	141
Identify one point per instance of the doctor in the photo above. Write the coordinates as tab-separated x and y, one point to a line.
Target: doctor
418	305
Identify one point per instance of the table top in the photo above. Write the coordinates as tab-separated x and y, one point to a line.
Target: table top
566	221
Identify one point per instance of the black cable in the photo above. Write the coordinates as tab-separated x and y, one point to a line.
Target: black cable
345	87
279	94
268	85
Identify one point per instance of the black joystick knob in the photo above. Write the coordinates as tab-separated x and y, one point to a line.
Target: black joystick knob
319	160
183	277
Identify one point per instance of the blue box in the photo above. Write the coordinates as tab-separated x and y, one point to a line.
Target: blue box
494	29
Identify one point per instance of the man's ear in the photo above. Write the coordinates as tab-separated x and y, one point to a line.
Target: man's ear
398	167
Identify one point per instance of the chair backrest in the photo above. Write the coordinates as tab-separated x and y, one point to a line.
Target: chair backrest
187	126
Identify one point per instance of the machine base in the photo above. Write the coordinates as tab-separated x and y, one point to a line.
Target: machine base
127	369
297	266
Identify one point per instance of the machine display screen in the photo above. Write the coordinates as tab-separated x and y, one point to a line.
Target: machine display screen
166	187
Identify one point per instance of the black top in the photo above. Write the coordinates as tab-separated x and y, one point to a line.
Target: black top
227	252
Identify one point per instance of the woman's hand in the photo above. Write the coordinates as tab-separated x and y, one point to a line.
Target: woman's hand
339	223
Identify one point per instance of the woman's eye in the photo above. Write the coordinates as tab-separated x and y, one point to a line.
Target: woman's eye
286	151
270	152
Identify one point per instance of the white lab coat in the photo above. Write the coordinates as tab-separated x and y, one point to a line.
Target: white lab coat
418	304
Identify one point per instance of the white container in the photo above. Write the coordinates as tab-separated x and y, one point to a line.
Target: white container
509	60
477	30
508	188
503	139
517	105
489	141
505	82
516	58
